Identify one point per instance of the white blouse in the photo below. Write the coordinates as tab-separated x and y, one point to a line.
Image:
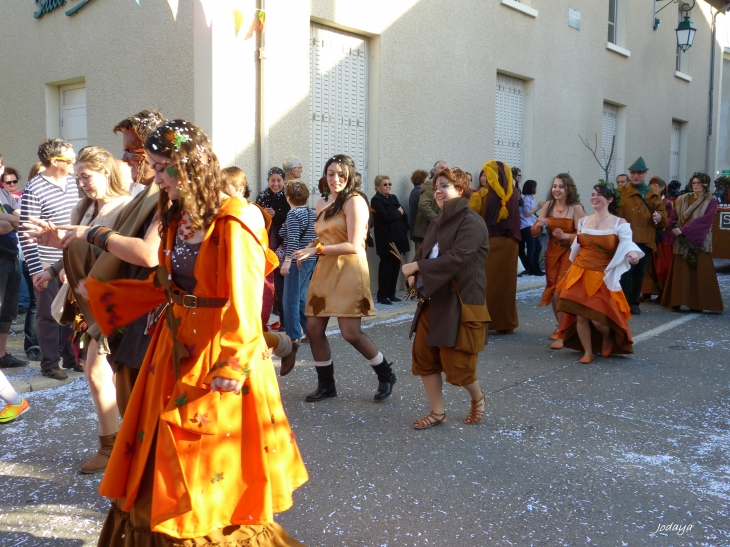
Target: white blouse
620	262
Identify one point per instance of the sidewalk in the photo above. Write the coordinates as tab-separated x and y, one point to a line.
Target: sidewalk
29	378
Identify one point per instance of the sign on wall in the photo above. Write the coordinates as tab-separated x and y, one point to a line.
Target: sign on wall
47	6
724	221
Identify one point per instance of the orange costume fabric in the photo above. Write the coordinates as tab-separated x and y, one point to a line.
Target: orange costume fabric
583	292
220	459
557	256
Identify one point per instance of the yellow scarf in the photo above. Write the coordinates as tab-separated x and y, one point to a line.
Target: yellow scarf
491	169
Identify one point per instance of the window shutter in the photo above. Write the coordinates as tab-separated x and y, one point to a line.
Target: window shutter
609	129
509	115
338	98
674	154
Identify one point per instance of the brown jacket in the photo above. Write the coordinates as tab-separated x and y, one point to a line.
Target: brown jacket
463	247
428	209
639	215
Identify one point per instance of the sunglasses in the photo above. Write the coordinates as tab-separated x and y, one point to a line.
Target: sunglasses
63	158
11	181
388	184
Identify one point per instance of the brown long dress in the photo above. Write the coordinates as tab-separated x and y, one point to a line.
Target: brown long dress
501	267
693	285
557	256
583	292
340	285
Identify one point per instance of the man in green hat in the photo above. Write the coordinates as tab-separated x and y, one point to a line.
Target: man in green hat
643	208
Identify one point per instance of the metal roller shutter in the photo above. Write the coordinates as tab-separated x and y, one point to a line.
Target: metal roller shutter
509	114
338	98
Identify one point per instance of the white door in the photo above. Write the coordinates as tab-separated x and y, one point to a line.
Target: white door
73	114
338	99
674	152
509	120
609	129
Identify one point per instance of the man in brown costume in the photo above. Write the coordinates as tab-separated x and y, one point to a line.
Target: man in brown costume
500	210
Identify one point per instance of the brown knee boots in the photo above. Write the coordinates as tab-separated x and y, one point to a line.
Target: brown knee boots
101	458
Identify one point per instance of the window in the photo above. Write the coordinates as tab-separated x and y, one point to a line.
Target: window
609	140
675	151
682	57
338	98
73	114
509	120
612	21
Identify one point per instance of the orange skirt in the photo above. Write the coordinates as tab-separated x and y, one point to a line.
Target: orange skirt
583	293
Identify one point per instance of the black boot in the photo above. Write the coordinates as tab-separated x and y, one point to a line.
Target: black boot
326	385
386	379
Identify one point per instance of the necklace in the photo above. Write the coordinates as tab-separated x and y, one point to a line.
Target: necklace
598	221
559	210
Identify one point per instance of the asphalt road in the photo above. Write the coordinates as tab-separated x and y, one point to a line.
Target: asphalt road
625	451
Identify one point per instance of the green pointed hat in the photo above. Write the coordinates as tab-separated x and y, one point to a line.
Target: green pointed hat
639	165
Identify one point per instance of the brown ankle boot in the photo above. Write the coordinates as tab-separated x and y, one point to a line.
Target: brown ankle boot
101	458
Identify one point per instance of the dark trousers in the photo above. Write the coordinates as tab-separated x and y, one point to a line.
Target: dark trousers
633	279
31	340
388	270
530	249
279	299
9	291
53	339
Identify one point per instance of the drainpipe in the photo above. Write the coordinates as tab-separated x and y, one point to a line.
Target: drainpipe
264	129
709	169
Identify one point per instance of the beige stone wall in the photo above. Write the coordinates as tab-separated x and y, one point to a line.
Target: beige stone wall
132	58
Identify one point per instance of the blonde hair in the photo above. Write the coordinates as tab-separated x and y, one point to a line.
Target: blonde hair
233	182
97	159
380	178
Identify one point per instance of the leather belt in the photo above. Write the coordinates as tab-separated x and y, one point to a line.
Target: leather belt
192	301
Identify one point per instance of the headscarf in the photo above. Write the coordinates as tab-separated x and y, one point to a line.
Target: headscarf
497	171
657	180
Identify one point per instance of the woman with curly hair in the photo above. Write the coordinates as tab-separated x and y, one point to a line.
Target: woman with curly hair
560	214
340	285
692	281
205	454
595	309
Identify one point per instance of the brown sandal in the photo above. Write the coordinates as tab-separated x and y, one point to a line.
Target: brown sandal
475	414
429	420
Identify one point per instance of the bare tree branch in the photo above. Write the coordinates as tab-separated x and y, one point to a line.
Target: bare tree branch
594	150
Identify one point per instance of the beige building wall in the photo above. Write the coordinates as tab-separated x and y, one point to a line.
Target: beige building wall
130	57
432	77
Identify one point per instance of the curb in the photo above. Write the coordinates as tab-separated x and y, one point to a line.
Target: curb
38	383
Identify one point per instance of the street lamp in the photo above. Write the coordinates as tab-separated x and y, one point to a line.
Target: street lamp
686	31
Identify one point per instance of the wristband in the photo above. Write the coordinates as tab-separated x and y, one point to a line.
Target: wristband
100	236
104	238
320	248
52	271
92	233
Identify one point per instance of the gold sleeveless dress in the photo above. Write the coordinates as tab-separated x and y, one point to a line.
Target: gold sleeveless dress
340	285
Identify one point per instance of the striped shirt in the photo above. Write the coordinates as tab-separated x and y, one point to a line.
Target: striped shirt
45	201
298	230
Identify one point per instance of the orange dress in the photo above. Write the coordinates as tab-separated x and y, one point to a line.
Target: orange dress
557	256
219	459
583	292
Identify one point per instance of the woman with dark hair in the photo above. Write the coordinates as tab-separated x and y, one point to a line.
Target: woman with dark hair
660	264
692	282
390	227
449	271
479	194
530	246
674	189
560	214
501	211
273	201
340	285
595	308
205	454
418	177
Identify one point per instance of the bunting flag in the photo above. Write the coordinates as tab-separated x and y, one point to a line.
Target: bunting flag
256	24
173	6
237	20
